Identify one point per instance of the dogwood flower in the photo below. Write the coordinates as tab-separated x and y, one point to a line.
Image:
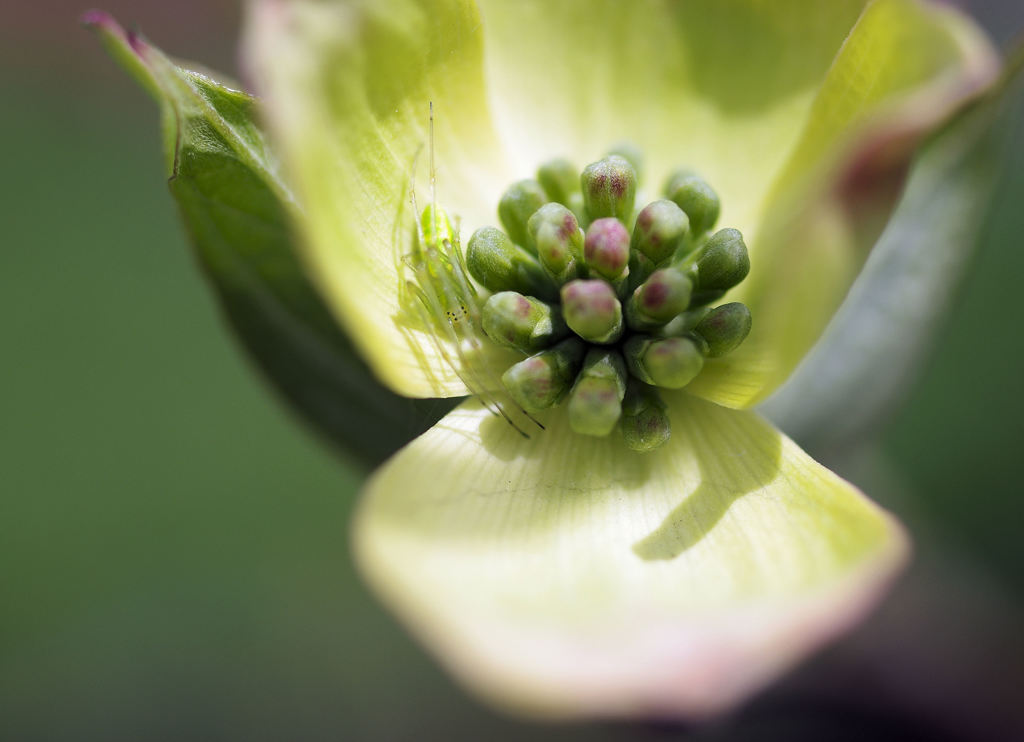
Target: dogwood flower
556	573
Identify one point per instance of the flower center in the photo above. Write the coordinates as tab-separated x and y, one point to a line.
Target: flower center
609	305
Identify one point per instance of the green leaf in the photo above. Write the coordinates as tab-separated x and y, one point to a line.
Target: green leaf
860	369
236	210
566	576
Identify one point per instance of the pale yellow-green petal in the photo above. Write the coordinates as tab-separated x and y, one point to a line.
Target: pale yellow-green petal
904	69
747	92
804	126
723	87
564	576
348	88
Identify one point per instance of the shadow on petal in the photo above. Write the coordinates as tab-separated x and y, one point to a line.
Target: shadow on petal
561	575
696	515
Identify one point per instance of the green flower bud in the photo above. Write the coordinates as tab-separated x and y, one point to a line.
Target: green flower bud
631	153
609	188
660	229
592	310
521	322
558	238
723	329
595	402
644	423
671	363
516	207
498	265
560	180
660	298
694	196
542	380
723	261
606	248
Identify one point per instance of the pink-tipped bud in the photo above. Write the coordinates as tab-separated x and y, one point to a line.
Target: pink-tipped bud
592	311
606	248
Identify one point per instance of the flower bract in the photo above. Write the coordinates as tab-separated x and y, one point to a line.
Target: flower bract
558	574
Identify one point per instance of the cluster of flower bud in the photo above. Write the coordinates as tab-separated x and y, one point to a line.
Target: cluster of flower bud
608	304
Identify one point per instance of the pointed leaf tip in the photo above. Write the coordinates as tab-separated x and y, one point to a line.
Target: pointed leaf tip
98	18
127	48
236	210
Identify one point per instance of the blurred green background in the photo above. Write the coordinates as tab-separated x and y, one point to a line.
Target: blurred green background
173	558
